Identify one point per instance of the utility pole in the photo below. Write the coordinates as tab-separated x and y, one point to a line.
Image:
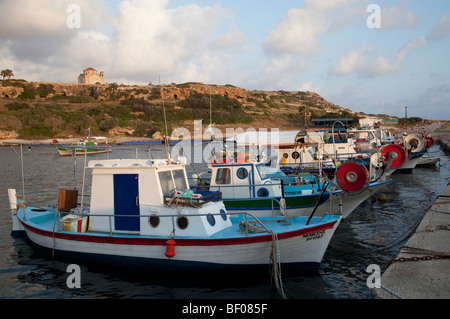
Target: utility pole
406	117
306	123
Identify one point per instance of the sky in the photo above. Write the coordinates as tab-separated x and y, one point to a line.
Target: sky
373	56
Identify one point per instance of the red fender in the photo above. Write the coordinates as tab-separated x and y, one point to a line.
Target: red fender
429	141
395	152
352	177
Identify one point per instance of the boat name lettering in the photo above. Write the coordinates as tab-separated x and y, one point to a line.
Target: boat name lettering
315	235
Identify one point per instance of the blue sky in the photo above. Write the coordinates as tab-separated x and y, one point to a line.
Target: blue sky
323	46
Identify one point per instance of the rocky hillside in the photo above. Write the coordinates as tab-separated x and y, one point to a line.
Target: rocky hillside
61	110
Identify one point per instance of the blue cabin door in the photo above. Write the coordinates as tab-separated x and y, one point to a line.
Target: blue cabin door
126	202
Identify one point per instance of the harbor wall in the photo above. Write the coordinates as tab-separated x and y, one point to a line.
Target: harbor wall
421	270
445	145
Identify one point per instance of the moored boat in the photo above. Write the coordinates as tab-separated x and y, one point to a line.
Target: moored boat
87	146
428	161
142	213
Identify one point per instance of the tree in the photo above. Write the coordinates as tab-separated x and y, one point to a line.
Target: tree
7	73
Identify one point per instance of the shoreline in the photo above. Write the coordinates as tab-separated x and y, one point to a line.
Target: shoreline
438	135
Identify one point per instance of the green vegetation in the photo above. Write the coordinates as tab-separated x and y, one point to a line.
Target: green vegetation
44	110
74	115
7	73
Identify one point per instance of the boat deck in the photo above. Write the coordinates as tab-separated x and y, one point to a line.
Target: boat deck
44	220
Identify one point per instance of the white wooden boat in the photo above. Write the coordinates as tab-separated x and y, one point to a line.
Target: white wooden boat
428	161
143	214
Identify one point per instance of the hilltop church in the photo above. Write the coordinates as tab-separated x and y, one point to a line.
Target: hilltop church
90	76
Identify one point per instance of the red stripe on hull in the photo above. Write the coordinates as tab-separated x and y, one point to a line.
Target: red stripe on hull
180	241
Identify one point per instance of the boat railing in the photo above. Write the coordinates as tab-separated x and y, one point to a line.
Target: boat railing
275	182
245	219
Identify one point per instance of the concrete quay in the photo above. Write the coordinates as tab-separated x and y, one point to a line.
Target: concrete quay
422	268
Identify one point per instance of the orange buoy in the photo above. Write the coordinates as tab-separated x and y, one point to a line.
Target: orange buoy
170	248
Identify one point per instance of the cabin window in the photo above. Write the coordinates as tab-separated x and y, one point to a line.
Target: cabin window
263	192
223	176
242	173
211	219
223	214
180	181
171	180
262	171
182	222
153	221
166	182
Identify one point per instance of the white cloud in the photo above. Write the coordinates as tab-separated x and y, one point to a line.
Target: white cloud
45	18
441	30
308	86
231	40
362	63
354	61
325	5
278	73
398	18
297	32
152	39
142	40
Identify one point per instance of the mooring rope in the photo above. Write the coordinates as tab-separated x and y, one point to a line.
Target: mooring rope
276	264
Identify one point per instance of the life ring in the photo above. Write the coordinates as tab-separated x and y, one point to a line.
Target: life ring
415	143
394	153
352	177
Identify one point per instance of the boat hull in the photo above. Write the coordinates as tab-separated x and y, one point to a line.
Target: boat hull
350	202
260	207
408	167
302	247
79	151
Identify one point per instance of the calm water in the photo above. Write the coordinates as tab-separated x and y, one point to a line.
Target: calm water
369	236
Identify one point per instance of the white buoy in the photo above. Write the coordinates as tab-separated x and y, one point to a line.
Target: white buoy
16	226
12	199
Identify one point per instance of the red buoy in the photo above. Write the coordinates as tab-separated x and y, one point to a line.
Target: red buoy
352	177
394	152
170	248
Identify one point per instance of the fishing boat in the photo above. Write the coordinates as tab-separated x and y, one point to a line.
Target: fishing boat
428	161
416	146
142	213
87	146
247	184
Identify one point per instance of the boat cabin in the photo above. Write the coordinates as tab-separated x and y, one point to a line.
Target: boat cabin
243	180
315	145
150	197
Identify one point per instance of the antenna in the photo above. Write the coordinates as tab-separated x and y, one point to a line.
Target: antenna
165	122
